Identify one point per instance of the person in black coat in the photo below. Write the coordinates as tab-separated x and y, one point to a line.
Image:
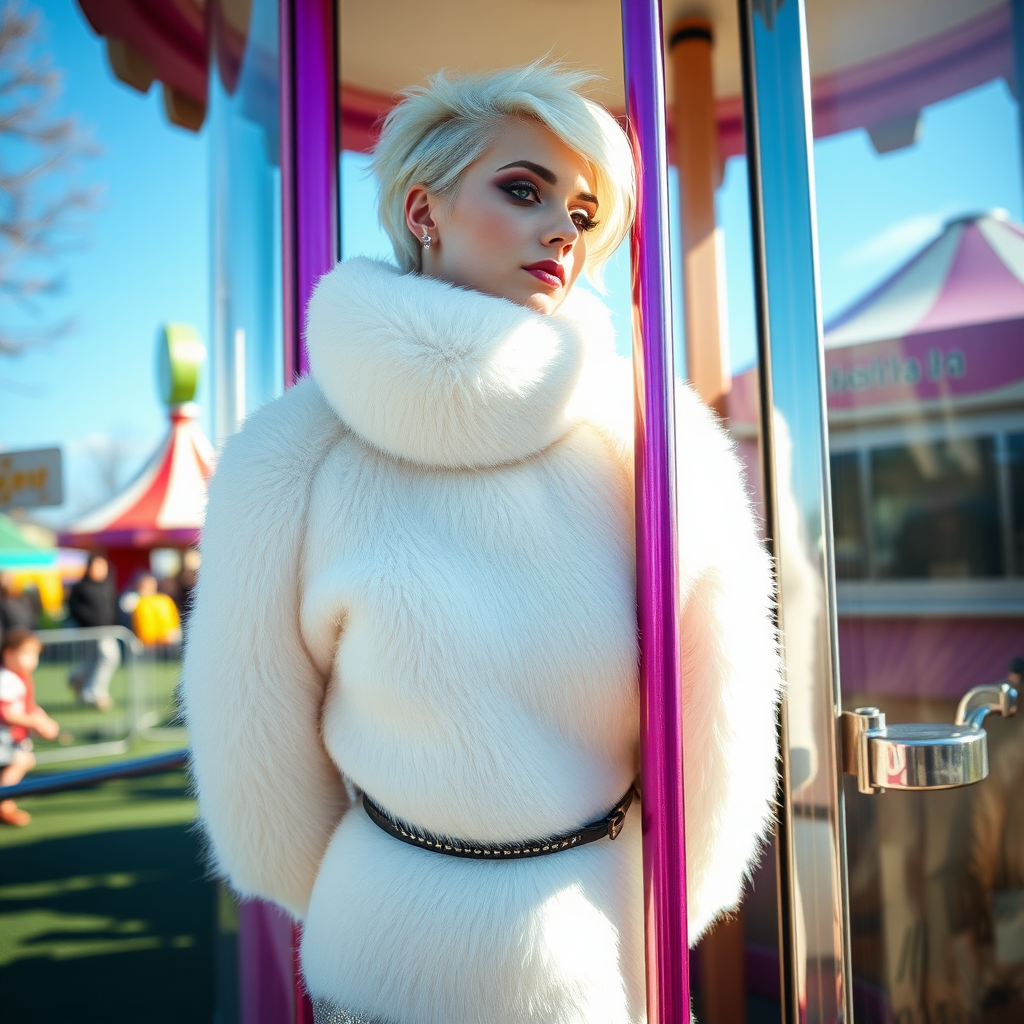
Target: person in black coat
93	603
17	611
93	599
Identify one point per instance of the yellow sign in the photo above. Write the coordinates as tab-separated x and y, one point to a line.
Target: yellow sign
30	479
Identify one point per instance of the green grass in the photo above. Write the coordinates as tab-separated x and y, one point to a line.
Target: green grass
105	913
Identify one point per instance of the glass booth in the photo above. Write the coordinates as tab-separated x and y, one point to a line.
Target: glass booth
847	272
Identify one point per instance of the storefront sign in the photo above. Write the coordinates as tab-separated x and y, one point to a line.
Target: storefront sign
987	357
31	478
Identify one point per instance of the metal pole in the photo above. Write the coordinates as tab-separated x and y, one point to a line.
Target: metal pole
814	932
661	697
309	207
309	162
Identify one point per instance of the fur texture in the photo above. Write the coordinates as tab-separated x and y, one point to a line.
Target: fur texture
418	578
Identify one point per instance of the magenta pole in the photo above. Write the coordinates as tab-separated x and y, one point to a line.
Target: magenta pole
309	162
309	220
661	694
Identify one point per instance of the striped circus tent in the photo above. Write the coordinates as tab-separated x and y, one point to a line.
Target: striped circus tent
162	507
947	327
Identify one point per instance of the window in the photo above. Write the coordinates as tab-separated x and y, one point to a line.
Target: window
935	510
851	548
1015	459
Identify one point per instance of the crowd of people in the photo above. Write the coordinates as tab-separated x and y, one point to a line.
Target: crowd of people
155	610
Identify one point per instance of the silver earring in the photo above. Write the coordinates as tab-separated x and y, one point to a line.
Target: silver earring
426	239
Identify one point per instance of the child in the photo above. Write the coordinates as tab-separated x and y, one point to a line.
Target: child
19	713
155	618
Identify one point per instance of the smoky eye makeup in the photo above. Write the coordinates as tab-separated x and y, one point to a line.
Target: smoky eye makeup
583	220
525	191
521	188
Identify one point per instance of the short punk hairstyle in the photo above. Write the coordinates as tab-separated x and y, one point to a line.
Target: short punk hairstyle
436	131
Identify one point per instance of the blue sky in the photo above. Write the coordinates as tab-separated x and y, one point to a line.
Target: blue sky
146	261
148	255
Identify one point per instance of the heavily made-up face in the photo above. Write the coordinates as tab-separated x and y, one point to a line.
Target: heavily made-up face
517	224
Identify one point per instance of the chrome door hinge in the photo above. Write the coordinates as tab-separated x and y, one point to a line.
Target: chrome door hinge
920	755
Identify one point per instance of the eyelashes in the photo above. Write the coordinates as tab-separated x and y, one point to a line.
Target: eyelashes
526	191
514	188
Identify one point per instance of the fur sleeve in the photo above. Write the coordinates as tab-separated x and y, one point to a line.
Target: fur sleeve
269	796
730	666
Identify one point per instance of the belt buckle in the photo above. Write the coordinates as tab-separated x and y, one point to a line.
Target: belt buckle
615	824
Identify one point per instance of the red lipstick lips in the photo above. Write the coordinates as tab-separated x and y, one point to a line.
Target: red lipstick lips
549	272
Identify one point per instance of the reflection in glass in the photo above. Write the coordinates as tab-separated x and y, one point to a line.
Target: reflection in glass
935	510
1015	472
919	204
848	521
247	363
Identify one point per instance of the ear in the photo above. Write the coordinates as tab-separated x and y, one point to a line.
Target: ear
417	212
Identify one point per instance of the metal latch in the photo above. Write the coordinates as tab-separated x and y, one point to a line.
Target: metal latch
919	755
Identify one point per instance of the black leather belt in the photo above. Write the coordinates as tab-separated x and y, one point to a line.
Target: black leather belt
609	826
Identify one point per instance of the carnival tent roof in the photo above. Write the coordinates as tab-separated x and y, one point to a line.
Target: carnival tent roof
164	504
946	327
973	273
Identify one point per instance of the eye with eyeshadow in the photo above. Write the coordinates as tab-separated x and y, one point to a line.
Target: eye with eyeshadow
523	190
583	220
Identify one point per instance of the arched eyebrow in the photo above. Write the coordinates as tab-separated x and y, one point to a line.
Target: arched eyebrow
542	172
549	176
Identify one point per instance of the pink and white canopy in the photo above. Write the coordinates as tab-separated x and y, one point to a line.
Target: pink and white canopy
164	504
948	325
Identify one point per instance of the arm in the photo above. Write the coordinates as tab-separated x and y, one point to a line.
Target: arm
730	666
37	720
269	795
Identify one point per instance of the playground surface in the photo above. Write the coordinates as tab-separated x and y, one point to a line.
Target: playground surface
106	910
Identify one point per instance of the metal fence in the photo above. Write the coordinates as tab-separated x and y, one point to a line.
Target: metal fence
140	683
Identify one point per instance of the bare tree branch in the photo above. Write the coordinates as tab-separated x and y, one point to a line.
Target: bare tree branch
43	211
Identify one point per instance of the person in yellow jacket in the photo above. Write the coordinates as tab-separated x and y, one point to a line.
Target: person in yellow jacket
155	619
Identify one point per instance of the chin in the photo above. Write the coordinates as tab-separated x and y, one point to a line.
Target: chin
542	302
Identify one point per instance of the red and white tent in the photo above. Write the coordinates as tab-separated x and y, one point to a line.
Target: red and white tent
162	507
948	326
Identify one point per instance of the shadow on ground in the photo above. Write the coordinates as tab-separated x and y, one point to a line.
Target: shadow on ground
109	927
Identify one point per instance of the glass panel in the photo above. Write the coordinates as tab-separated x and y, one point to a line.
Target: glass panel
851	542
920	209
935	510
1015	465
248	366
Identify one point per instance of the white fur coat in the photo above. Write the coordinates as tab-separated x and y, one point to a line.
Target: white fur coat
418	576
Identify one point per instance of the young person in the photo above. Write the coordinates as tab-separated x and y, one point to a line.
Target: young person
418	591
91	603
19	715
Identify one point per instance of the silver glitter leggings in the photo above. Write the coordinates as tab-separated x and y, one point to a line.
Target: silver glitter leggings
328	1013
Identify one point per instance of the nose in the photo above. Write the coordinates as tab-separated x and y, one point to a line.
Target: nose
562	233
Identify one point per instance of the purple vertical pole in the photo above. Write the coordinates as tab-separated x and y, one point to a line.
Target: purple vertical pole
661	695
309	211
309	161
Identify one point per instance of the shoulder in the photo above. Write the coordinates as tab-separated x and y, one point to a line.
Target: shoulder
12	687
265	472
283	441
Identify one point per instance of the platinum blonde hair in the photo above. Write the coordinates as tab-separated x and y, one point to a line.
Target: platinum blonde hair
436	131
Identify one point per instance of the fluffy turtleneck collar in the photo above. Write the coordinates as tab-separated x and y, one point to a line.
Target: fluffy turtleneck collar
446	376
